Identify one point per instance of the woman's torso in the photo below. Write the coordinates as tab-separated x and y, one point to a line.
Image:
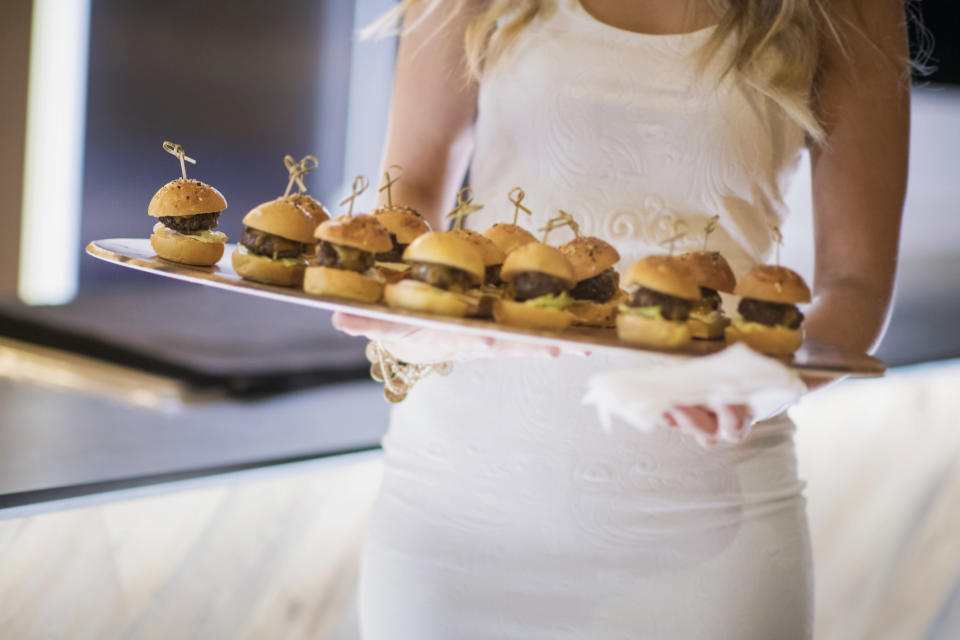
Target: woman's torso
498	471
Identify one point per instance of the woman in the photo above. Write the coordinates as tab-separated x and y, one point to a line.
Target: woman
505	511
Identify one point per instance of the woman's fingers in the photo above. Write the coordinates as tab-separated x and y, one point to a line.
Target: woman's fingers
696	421
413	344
371	328
734	422
711	424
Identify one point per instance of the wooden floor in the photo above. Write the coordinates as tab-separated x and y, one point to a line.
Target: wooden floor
882	464
276	557
273	558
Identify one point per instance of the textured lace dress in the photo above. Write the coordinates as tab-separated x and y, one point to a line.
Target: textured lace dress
506	511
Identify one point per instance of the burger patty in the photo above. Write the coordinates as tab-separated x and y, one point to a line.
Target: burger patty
533	284
671	307
710	298
395	254
191	224
441	276
771	314
491	275
271	246
338	256
599	288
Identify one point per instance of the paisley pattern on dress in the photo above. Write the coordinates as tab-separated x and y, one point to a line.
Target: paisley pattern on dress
506	511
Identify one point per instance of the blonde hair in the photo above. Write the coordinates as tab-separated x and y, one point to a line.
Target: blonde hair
777	43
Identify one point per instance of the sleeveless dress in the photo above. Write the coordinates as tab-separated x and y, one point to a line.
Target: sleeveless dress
506	511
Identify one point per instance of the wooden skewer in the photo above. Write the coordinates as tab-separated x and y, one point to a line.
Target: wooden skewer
177	151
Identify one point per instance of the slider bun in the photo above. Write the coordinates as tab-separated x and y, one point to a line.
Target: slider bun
282	218
508	236
706	330
594	314
403	222
536	256
185	198
773	284
448	249
710	269
309	204
186	250
769	340
589	256
265	270
490	252
359	231
326	281
664	274
414	295
518	314
652	332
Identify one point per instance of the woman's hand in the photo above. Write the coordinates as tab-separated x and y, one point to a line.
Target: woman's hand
711	424
429	346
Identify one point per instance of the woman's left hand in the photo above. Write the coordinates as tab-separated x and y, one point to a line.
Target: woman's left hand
711	424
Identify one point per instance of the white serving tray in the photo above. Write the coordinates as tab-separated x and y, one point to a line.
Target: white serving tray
813	358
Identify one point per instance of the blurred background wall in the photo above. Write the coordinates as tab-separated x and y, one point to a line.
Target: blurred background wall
240	84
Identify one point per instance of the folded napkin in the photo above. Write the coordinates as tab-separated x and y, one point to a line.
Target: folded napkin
736	375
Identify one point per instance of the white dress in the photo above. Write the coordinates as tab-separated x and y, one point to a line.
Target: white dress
506	511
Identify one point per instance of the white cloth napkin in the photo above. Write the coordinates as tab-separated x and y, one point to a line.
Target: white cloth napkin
736	375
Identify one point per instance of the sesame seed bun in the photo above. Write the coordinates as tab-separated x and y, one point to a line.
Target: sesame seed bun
448	249
652	332
326	281
282	218
185	198
488	250
403	222
710	269
508	236
664	274
316	210
262	269
519	314
536	256
773	284
589	256
359	231
414	295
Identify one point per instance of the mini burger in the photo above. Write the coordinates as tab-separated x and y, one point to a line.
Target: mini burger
493	257
310	204
443	269
188	211
770	321
404	226
663	292
712	273
540	277
345	257
598	283
277	238
508	236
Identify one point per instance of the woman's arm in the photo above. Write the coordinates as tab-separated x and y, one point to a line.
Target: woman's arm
859	181
432	112
860	173
430	135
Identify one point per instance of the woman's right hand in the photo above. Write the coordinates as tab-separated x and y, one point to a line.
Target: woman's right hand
429	346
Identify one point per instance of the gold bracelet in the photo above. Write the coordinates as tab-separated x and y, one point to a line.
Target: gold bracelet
400	376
